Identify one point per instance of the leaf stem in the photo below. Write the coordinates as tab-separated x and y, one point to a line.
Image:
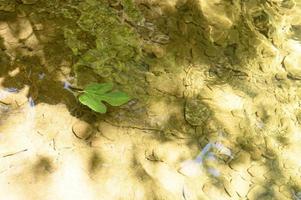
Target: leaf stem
75	89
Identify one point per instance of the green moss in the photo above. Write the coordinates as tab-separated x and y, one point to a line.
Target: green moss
73	42
114	49
131	10
115	41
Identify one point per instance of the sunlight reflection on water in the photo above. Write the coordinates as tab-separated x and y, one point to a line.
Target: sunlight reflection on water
192	167
7	91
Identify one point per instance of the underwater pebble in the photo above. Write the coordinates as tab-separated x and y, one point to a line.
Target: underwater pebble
82	129
196	112
291	64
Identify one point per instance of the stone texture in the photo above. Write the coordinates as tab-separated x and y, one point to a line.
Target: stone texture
82	129
292	66
196	112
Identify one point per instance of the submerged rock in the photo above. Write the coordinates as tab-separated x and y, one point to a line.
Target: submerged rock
82	129
291	64
196	112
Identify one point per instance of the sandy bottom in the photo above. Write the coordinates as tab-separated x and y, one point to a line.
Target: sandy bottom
189	140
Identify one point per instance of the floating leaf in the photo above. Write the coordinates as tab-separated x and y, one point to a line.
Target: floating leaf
116	98
92	102
95	93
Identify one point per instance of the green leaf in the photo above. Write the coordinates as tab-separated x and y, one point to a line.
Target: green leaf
92	101
116	98
95	93
98	88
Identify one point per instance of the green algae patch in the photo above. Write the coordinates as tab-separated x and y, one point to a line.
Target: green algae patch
111	47
115	41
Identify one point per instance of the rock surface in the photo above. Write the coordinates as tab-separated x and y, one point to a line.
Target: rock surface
196	112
